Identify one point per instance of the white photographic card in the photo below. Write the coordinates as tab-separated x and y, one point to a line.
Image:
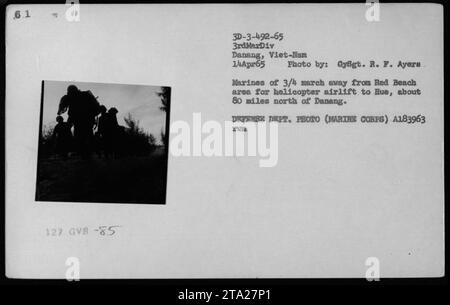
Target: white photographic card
224	141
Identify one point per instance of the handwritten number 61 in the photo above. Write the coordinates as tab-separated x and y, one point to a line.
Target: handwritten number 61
18	15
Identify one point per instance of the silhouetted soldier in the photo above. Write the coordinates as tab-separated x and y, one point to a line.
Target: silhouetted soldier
62	137
82	108
101	121
110	129
100	134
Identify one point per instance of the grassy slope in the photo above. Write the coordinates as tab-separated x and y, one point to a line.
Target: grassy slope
124	180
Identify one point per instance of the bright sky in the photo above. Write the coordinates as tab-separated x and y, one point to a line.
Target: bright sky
141	102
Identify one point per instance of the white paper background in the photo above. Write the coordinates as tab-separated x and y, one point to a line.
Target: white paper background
338	195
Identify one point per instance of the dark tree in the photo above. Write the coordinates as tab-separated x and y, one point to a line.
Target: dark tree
135	139
164	94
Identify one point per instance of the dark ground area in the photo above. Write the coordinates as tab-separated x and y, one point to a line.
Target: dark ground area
121	180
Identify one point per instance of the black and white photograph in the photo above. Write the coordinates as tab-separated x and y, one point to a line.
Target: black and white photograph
243	147
104	143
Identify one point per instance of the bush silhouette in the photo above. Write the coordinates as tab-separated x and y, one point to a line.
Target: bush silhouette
134	140
46	143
